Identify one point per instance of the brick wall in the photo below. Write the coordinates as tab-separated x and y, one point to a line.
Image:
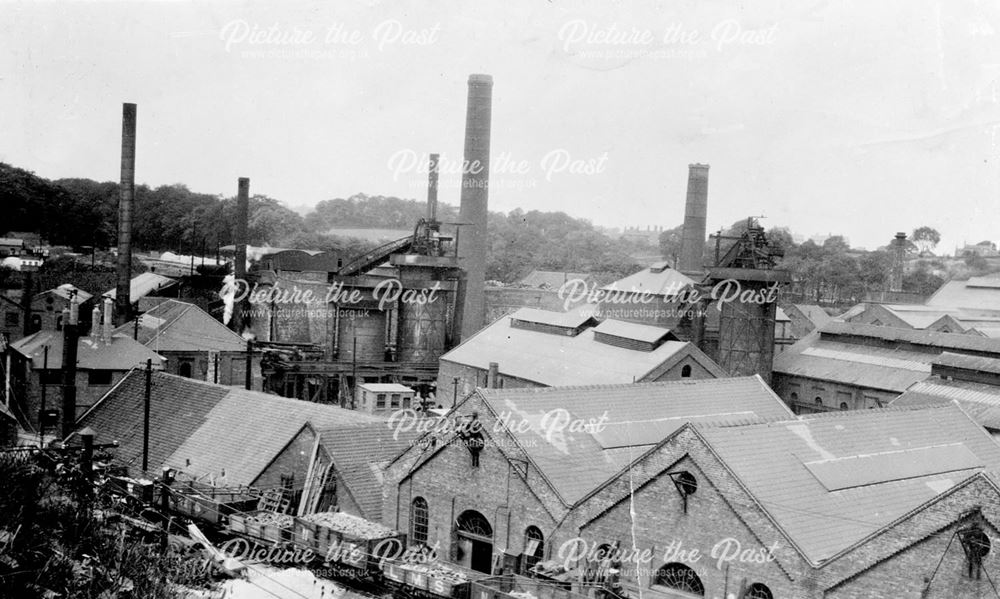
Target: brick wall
831	393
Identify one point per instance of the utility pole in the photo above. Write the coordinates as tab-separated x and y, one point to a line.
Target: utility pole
41	412
454	395
249	370
70	340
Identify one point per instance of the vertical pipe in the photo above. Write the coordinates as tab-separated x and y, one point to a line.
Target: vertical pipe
41	412
695	213
248	382
126	201
145	415
432	187
491	376
474	202
240	262
26	298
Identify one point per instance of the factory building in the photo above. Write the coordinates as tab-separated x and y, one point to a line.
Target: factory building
512	483
538	348
849	366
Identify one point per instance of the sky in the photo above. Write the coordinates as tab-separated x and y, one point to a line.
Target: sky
853	118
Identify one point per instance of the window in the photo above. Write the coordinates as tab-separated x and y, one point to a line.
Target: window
534	547
686	371
184	369
394	400
406	401
380	400
819	400
11	319
794	396
686	482
51	377
680	577
976	545
99	377
843	405
59	322
758	591
419	518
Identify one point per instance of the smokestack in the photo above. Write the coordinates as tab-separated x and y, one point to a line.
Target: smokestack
695	212
240	263
126	201
432	187
107	320
898	260
474	208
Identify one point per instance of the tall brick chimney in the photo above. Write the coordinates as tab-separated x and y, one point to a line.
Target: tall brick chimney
898	261
474	209
695	212
432	187
126	203
240	238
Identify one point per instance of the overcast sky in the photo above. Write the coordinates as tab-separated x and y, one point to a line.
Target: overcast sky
859	118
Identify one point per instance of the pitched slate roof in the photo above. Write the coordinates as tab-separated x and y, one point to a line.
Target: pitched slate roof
558	360
246	430
178	406
816	314
667	282
359	451
632	418
629	330
964	362
980	401
852	364
179	326
66	290
957	341
92	353
142	285
979	295
831	480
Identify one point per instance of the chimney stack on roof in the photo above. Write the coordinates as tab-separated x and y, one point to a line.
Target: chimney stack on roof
432	187
95	322
107	319
473	210
695	213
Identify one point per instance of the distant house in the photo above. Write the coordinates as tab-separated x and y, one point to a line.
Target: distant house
537	348
194	344
10	246
102	361
47	307
32	242
986	249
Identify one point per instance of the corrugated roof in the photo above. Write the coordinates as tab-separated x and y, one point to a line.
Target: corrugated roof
980	401
246	430
851	364
177	407
916	337
358	452
92	353
142	285
771	461
667	282
558	360
629	330
179	326
966	362
577	463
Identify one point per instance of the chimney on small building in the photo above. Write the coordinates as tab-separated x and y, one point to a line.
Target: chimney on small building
492	376
95	322
898	251
108	319
695	213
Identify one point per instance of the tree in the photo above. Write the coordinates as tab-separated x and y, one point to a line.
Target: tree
926	238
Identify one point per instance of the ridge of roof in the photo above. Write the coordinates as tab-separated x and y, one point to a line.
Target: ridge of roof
602	386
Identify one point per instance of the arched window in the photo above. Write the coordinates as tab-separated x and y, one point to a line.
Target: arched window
843	405
680	577
758	591
534	547
686	371
819	400
185	369
794	396
419	518
474	523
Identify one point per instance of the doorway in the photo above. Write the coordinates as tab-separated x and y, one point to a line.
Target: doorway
475	541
